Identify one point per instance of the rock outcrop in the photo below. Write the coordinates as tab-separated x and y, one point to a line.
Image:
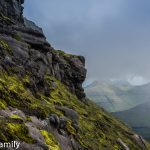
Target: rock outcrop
28	50
42	102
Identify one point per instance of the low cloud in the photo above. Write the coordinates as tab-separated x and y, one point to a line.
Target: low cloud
136	80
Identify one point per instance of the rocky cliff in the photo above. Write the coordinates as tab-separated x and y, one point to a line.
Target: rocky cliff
42	102
25	46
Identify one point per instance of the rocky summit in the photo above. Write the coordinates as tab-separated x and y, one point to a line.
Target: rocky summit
42	103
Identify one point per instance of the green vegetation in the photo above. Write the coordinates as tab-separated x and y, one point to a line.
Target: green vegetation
18	37
50	140
70	128
62	53
16	117
13	131
97	129
6	47
2	104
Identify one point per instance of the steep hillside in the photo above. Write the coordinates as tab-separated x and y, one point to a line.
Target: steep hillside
138	118
42	102
118	97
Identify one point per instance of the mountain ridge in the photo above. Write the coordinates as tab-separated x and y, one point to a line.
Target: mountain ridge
137	118
118	96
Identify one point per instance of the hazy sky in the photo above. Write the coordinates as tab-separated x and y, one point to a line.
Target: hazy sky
113	35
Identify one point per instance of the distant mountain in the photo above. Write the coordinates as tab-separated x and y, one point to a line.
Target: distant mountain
138	118
139	115
117	95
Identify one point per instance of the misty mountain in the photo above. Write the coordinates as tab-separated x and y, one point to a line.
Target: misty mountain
118	95
138	115
138	118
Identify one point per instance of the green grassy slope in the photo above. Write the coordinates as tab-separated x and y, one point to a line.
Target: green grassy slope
98	129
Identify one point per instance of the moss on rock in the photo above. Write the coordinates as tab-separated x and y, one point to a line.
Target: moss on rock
97	129
16	117
18	37
6	47
50	140
3	104
14	131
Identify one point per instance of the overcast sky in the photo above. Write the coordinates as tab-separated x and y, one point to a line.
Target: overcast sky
113	35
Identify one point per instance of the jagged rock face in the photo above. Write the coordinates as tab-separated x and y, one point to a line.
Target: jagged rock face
12	9
32	53
25	48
